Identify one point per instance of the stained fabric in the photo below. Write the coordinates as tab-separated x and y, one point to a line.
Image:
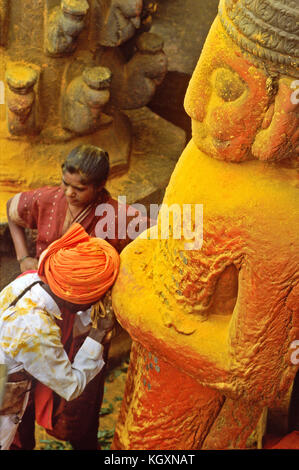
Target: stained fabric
44	210
30	339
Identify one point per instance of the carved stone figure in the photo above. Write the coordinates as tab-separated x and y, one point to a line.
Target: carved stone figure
21	99
213	327
117	20
84	100
136	81
64	25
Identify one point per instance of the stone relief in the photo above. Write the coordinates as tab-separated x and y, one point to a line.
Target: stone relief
4	12
22	113
63	26
117	21
76	94
84	100
135	81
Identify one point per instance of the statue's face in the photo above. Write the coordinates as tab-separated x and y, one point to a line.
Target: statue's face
238	112
226	99
278	137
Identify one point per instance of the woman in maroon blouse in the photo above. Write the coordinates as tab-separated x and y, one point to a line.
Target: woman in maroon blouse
51	211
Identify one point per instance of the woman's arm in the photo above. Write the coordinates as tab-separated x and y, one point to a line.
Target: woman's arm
19	240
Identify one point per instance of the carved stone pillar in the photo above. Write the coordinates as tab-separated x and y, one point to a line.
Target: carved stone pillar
70	101
117	21
22	118
63	26
136	81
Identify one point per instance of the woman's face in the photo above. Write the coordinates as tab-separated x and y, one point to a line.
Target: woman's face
78	194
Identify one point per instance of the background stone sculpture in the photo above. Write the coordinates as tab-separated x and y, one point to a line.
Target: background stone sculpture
213	328
84	100
61	40
64	24
134	82
22	114
117	21
4	11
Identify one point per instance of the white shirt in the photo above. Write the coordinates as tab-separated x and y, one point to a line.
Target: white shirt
30	339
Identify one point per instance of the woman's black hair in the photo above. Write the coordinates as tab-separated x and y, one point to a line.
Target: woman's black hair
91	162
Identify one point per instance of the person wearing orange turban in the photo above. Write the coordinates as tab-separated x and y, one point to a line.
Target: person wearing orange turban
79	268
74	273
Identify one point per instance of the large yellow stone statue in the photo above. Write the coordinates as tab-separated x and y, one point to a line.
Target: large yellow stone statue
214	327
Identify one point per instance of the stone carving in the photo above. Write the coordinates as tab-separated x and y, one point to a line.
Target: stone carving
21	104
4	11
136	81
117	20
84	100
213	328
64	25
60	40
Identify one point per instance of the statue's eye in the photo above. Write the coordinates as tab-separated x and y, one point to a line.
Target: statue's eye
228	84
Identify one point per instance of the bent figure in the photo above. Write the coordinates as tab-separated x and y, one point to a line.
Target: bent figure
31	308
51	211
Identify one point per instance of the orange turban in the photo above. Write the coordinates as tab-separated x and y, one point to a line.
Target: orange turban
79	268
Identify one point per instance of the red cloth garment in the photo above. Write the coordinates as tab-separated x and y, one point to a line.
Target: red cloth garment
28	272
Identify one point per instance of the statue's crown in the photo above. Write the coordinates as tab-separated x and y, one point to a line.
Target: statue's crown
267	29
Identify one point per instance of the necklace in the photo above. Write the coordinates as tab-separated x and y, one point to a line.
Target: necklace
72	215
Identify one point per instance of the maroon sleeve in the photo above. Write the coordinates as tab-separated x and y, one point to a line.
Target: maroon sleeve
39	208
24	208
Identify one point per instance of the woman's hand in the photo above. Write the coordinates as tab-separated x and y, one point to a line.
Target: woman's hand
28	263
